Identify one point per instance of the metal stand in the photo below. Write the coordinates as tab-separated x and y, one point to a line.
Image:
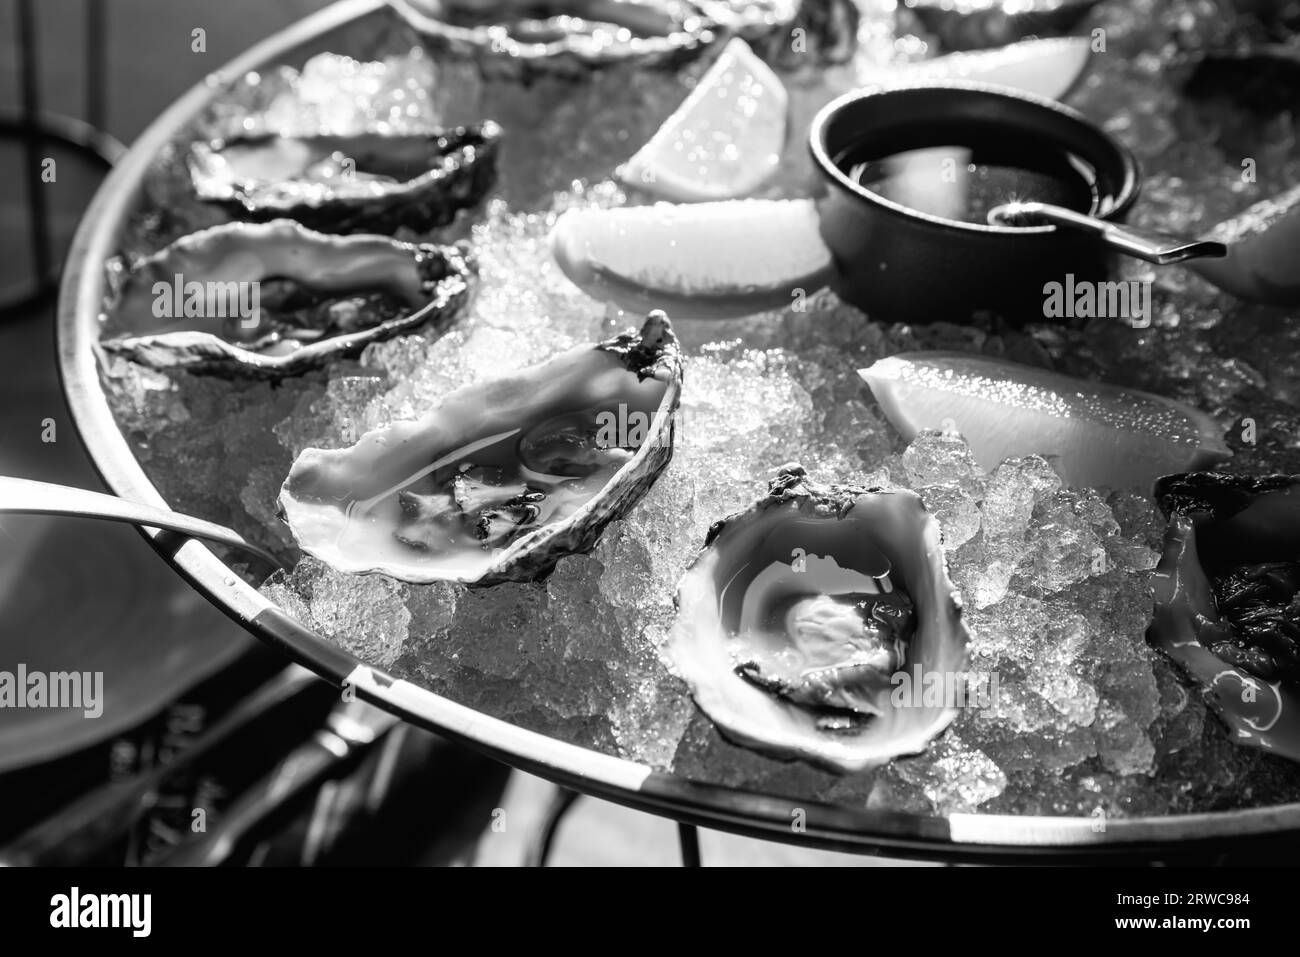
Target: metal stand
540	851
688	835
36	128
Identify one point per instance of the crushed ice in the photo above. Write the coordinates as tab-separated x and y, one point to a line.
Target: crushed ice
1088	720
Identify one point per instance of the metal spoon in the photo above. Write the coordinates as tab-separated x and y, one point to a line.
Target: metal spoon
24	496
1250	256
1142	243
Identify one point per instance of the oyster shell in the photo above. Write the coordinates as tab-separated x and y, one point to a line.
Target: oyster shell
802	611
367	182
276	299
1227	600
521	37
501	478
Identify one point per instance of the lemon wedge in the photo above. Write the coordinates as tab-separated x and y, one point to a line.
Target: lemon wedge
1262	242
1050	68
725	139
1094	434
698	260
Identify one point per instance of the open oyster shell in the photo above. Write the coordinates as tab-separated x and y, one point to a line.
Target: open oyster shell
275	299
519	38
804	614
501	478
368	182
523	37
1227	600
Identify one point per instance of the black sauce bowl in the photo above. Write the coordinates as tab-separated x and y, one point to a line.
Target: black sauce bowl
902	264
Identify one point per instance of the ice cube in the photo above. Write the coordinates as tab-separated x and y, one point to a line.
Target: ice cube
1014	488
1068	540
1123	745
363	614
957	513
987	564
954	777
942	458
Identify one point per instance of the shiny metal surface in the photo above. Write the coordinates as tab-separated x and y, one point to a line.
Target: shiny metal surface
27	497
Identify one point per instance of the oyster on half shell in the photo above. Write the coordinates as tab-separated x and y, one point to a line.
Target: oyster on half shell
366	182
520	37
267	300
501	478
1227	600
800	614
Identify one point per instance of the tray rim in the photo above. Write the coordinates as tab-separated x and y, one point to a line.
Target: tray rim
955	838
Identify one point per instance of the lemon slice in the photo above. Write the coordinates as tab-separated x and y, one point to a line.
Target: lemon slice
1049	68
701	260
1262	243
724	140
1094	434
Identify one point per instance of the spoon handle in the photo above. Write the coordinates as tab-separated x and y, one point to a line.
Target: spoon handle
1151	246
24	496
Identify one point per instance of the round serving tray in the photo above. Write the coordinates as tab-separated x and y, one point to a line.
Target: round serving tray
349	26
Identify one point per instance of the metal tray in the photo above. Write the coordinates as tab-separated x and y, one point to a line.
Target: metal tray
350	25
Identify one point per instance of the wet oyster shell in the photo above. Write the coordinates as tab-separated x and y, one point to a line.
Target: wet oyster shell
433	283
1219	523
351	507
794	522
425	178
520	38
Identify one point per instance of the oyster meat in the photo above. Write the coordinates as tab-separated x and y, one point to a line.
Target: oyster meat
1227	600
275	299
369	182
501	478
520	37
804	616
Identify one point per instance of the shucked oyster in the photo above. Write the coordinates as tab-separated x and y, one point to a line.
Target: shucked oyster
368	182
1227	594
810	623
518	36
275	299
501	478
